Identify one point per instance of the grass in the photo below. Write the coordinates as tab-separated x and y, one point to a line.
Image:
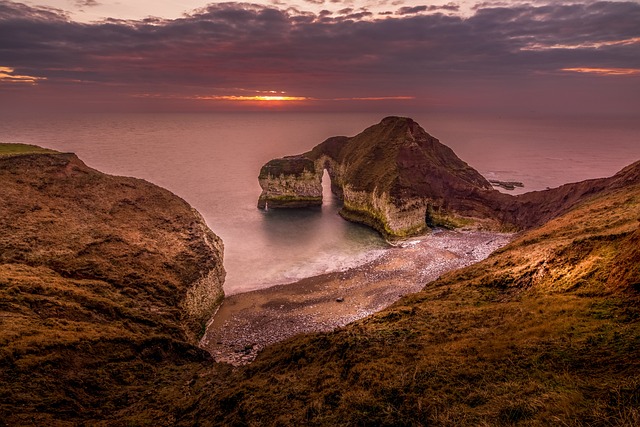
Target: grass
20	149
442	359
545	331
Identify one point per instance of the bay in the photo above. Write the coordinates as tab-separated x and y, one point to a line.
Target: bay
213	160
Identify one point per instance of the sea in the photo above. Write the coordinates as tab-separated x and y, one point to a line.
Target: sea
212	160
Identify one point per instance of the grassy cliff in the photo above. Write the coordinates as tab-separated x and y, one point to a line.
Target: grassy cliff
97	282
545	331
94	271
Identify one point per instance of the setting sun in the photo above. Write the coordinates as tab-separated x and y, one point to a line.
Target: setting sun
254	98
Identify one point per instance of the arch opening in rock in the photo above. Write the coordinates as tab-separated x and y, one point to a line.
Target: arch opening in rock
328	198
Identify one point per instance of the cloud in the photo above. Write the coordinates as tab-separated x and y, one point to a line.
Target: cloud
605	71
87	3
408	10
8	76
326	56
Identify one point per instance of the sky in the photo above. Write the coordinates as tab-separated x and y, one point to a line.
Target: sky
537	56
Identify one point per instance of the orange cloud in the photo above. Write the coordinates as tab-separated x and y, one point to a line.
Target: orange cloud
262	98
376	98
585	45
7	75
605	71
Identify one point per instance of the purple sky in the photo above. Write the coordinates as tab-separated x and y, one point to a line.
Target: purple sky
322	55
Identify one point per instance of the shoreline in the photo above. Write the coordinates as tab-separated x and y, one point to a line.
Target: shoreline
247	322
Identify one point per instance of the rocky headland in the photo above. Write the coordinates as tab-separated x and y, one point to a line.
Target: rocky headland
401	181
393	176
105	282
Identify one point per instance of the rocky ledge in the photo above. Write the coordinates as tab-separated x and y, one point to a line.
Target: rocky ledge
290	182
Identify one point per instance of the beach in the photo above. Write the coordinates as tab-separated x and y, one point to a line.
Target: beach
248	322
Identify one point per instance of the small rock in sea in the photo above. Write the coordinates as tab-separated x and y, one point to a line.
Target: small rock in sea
339	299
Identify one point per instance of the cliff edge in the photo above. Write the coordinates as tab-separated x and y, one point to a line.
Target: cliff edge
105	281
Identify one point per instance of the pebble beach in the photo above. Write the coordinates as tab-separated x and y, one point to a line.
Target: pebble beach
248	322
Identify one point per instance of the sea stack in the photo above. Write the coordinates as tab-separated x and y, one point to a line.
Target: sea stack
393	176
290	182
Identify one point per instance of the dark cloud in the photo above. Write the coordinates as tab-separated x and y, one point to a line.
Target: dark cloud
406	10
18	11
233	45
452	7
87	3
411	10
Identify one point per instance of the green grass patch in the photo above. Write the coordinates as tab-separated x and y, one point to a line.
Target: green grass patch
20	149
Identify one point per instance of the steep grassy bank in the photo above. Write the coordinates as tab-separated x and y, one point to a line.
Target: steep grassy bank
100	278
545	331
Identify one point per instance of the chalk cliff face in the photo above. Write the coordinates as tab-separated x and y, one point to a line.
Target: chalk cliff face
290	182
393	176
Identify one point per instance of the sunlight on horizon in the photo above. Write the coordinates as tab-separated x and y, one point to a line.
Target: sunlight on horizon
605	71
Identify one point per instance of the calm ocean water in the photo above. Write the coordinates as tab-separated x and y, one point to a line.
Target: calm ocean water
213	160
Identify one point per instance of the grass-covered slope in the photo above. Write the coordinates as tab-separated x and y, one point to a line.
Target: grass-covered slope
95	330
97	275
544	332
21	149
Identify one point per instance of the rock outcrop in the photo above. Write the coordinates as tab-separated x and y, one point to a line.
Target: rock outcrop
401	181
105	282
393	176
290	182
60	214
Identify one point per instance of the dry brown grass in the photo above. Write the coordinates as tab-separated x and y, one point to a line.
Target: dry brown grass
546	331
93	269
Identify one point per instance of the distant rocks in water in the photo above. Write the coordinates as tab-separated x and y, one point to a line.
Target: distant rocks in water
401	181
393	176
507	185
